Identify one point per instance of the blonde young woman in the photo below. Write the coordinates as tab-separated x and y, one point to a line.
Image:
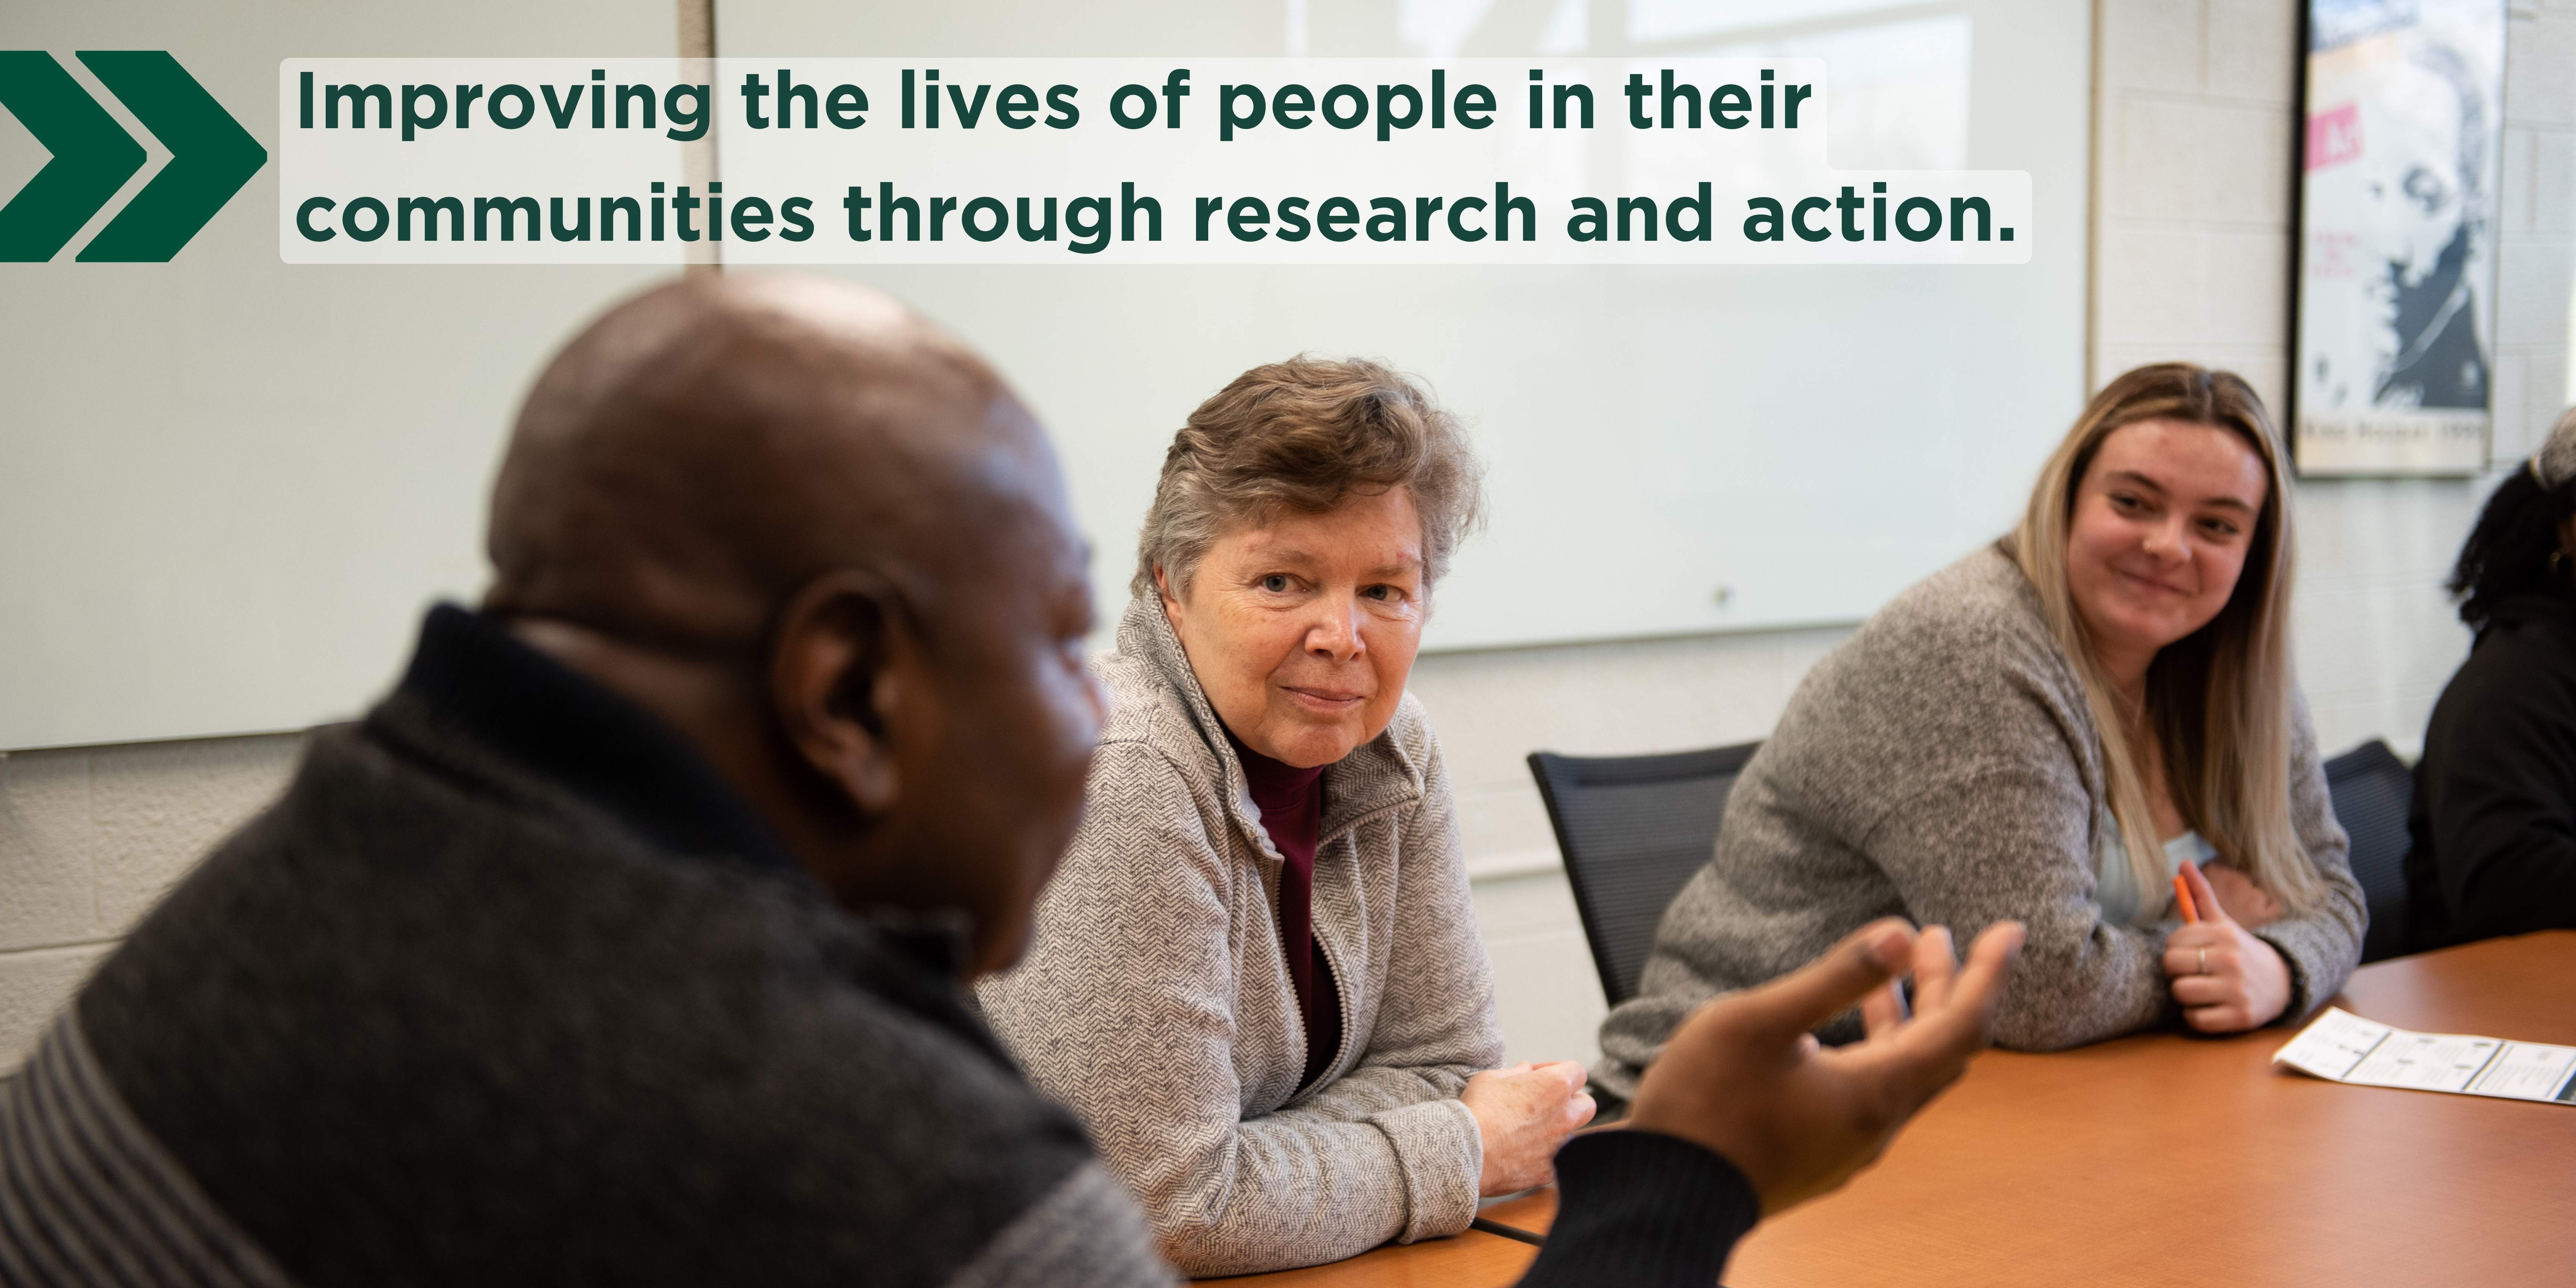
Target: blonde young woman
2049	731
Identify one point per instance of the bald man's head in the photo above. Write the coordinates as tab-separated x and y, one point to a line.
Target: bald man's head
825	543
705	448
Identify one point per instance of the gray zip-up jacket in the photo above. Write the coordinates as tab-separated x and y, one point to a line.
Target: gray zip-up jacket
1155	1000
1943	765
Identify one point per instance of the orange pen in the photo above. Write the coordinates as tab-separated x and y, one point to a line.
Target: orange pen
2182	898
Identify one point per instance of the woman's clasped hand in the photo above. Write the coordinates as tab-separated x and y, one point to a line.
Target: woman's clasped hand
1522	1114
2226	979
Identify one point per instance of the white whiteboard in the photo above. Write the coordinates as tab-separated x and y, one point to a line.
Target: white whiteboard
1810	440
227	486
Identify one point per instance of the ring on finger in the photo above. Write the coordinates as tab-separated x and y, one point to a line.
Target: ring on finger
2204	961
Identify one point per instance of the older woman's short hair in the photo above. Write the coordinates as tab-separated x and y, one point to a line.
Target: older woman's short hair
1302	436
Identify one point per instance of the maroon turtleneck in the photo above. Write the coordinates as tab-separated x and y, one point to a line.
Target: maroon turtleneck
1292	812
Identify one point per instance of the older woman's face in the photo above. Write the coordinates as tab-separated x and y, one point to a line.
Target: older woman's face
2163	519
1303	630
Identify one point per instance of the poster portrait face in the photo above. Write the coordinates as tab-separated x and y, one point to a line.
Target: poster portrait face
2397	271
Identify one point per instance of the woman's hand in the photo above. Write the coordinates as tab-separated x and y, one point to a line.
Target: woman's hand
1525	1112
2244	902
2226	979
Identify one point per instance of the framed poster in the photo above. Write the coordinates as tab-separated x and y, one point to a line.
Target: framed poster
2396	276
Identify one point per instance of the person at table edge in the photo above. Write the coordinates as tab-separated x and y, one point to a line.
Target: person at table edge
2494	813
626	940
2050	730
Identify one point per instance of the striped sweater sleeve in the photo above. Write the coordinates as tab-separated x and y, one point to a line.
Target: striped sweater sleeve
88	1199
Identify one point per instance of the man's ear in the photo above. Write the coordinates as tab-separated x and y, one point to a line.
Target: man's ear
834	677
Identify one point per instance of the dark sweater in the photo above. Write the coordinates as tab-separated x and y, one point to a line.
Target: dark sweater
2494	818
511	988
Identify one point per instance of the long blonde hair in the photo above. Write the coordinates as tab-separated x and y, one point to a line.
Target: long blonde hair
2218	700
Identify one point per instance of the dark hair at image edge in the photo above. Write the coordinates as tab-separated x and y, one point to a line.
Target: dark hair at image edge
2508	552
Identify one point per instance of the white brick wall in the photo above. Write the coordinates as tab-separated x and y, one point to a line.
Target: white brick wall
90	837
2192	130
2193	124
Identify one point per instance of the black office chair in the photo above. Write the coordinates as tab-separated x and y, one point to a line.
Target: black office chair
2372	791
1633	830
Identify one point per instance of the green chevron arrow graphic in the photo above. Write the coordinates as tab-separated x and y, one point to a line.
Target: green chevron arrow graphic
211	156
93	157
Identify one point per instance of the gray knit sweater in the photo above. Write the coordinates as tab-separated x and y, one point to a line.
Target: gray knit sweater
1943	765
1155	1000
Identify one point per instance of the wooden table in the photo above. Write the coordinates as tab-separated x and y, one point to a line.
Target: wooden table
1471	1260
2170	1159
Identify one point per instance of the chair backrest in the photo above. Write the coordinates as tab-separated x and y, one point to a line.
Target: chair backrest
2372	791
1633	830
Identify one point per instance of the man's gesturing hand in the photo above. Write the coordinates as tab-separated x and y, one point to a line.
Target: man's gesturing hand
1743	1076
